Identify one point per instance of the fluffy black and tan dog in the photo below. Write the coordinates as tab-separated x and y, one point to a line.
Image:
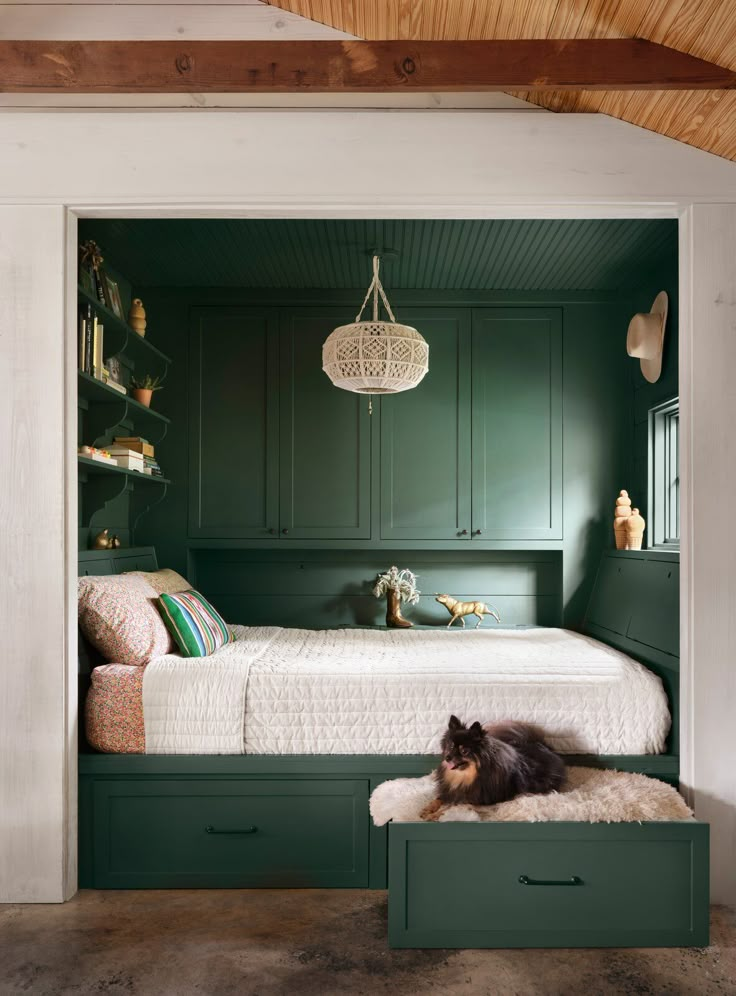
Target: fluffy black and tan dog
485	765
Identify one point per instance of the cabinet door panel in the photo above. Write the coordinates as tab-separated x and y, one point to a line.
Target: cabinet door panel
325	438
517	423
425	437
233	423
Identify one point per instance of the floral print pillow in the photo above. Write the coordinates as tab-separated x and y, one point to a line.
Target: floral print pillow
118	615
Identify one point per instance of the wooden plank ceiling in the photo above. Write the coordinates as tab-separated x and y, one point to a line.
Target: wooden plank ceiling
429	255
704	28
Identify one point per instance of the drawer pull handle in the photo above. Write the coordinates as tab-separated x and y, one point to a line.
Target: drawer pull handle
574	880
246	830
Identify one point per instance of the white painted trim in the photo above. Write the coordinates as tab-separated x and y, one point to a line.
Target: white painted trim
687	671
71	528
386	163
707	363
360	101
36	742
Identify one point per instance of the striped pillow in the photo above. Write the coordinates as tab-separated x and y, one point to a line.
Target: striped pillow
199	630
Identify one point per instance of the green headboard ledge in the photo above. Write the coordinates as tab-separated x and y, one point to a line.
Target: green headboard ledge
635	607
135	558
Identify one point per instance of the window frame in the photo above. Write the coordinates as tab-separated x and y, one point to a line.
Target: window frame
664	475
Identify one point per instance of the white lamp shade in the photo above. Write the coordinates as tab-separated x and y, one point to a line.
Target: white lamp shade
375	357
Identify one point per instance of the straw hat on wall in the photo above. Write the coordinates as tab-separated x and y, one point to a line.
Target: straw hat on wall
645	338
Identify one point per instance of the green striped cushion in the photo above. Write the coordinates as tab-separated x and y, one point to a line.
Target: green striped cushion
199	630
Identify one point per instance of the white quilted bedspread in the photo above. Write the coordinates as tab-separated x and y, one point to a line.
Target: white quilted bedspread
292	691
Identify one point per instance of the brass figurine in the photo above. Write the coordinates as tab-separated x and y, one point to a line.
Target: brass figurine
458	610
102	540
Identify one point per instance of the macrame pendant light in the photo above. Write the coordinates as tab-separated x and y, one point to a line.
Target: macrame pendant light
376	357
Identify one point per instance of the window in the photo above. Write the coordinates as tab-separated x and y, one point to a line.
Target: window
664	474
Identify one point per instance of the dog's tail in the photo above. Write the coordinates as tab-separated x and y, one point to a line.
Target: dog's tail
516	734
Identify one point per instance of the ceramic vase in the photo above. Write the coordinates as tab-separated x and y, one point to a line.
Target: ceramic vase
137	317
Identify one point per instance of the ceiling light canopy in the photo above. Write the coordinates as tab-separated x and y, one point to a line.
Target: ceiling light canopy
375	357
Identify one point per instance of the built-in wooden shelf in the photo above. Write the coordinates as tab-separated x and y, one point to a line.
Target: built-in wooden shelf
95	467
120	337
97	392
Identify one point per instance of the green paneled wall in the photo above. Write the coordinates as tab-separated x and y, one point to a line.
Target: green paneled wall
596	417
320	588
646	395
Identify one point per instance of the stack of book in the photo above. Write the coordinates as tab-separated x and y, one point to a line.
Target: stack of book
140	450
91	335
127	458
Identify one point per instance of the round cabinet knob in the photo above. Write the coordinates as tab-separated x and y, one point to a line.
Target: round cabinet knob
271	531
463	532
477	532
285	532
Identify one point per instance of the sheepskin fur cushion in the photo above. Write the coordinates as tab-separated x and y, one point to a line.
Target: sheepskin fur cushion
590	795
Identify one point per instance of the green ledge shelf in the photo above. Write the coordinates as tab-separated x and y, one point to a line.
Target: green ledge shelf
94	467
124	338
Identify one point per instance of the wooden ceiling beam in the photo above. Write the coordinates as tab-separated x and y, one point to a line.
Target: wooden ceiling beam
352	66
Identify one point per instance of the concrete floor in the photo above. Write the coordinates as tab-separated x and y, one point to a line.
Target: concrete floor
271	943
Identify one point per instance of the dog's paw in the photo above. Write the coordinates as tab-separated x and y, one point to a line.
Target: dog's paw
431	812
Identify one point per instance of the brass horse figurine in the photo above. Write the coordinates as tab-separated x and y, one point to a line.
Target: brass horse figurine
458	610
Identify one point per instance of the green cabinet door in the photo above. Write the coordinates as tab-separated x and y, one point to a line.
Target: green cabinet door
517	424
233	485
325	437
425	437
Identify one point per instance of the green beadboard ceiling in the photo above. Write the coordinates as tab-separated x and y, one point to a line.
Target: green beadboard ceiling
431	255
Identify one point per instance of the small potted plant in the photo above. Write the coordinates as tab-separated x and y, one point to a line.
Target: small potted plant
398	586
142	388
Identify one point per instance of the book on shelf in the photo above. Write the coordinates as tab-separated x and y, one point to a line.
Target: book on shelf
86	338
98	335
101	289
129	461
101	458
98	455
91	344
116	387
136	443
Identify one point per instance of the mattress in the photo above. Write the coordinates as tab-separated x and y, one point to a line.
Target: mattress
378	692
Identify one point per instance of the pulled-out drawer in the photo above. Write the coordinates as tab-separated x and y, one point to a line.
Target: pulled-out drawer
213	833
504	885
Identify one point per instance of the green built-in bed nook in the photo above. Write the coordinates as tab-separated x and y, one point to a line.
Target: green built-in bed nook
503	428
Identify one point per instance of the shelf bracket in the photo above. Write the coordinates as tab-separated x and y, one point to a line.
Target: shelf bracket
160	439
101	420
141	504
98	492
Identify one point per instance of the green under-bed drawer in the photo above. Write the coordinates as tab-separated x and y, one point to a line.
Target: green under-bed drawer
189	833
504	885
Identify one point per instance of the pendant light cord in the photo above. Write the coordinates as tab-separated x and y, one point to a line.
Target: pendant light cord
377	288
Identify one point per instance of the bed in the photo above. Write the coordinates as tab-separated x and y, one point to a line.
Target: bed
277	691
279	796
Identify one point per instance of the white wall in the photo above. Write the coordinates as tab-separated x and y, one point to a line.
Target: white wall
320	163
708	548
37	762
